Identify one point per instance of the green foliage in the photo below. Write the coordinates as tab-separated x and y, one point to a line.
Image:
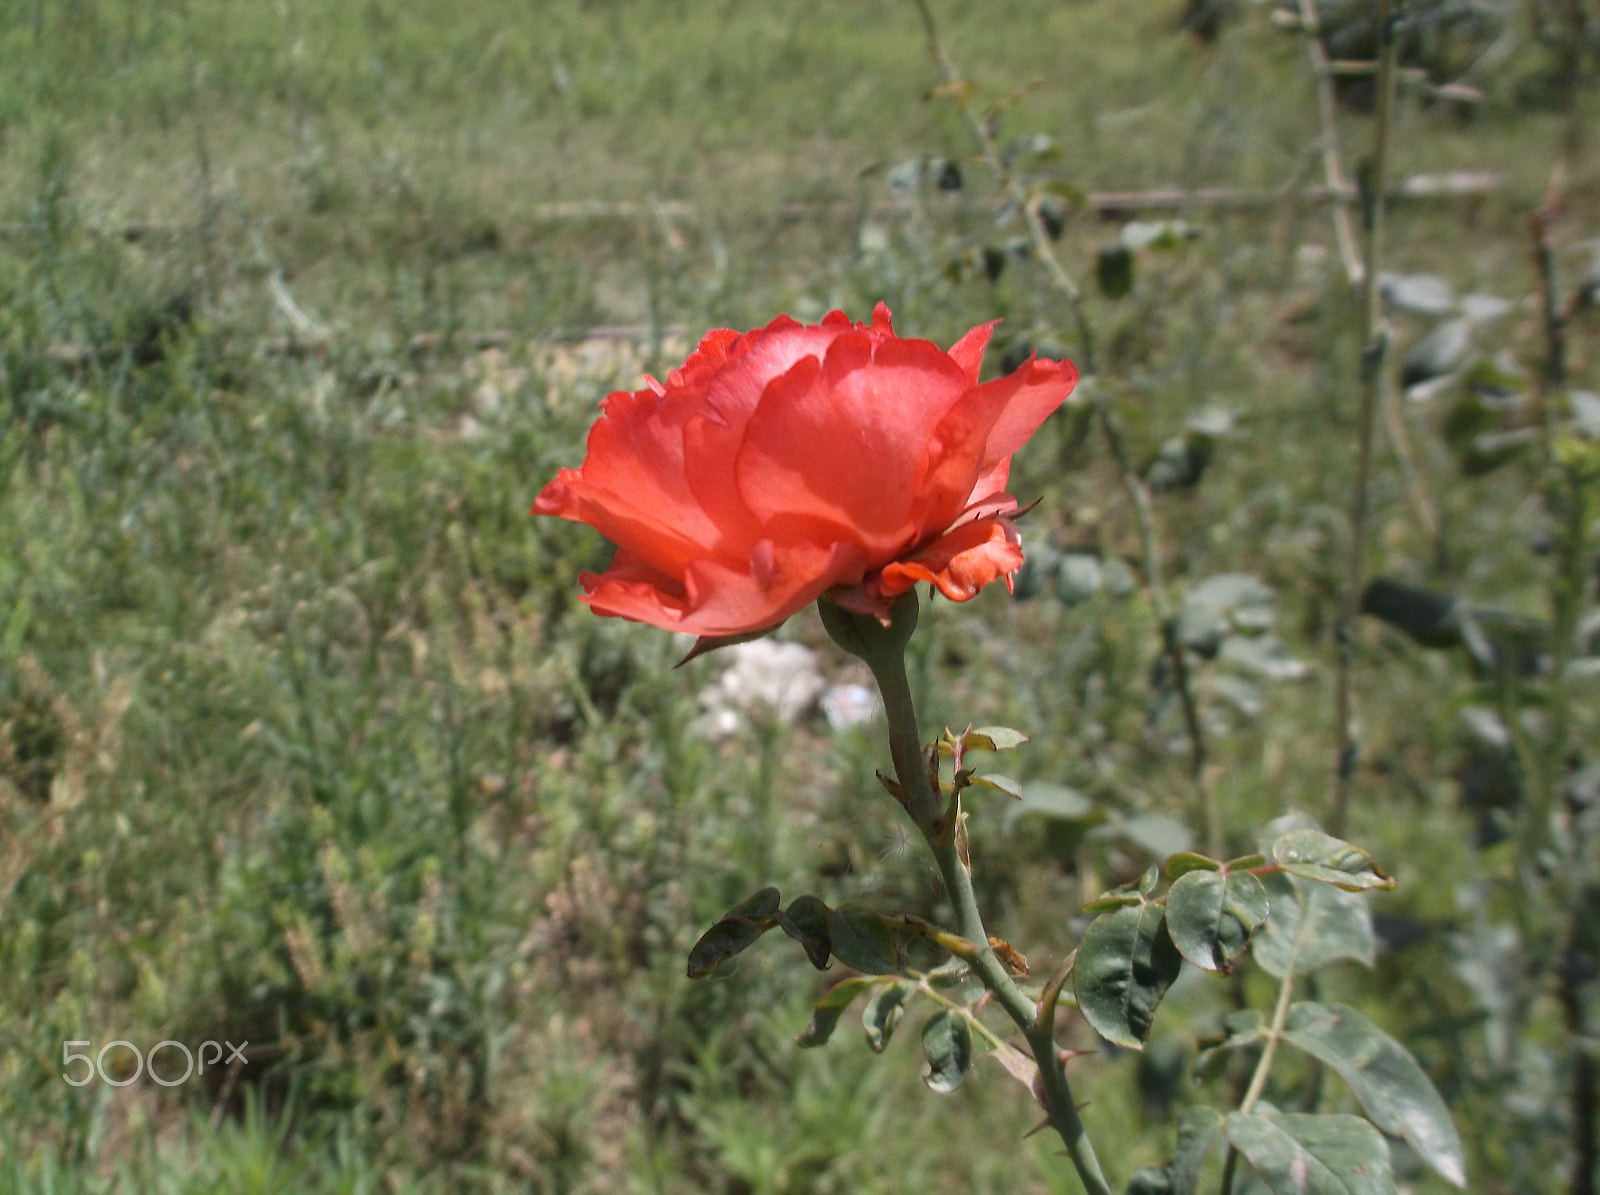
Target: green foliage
1126	963
1313	855
857	937
1384	1077
1313	925
830	1008
1314	1155
947	1046
1212	915
306	740
883	1012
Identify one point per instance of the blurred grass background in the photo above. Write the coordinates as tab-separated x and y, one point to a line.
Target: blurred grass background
307	741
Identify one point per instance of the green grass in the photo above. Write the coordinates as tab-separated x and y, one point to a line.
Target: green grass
307	741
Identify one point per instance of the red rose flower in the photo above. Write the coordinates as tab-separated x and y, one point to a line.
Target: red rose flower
800	461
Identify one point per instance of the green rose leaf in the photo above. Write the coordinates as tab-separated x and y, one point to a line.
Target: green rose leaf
1186	861
1198	1134
1313	1155
809	922
883	1013
861	939
1156	834
1311	926
1126	963
993	738
1212	915
829	1009
759	904
739	928
1392	1088
1133	893
1005	784
947	1045
722	941
1318	856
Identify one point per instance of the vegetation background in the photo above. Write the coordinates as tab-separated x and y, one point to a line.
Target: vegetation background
306	741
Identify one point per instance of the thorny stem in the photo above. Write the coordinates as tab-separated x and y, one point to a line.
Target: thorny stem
1138	495
883	650
1375	344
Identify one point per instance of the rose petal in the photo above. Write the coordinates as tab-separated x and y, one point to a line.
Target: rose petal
1043	386
960	563
716	348
955	452
847	441
715	600
968	351
632	487
629	588
779	581
714	436
733	395
793	460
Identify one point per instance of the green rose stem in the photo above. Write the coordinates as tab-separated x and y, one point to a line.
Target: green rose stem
882	647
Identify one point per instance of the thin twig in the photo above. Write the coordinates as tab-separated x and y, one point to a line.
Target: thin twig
1280	1017
1037	236
1413	79
1138	494
307	328
1585	1101
1355	270
208	201
1332	170
1410	473
1269	1051
1577	41
1374	351
1553	375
